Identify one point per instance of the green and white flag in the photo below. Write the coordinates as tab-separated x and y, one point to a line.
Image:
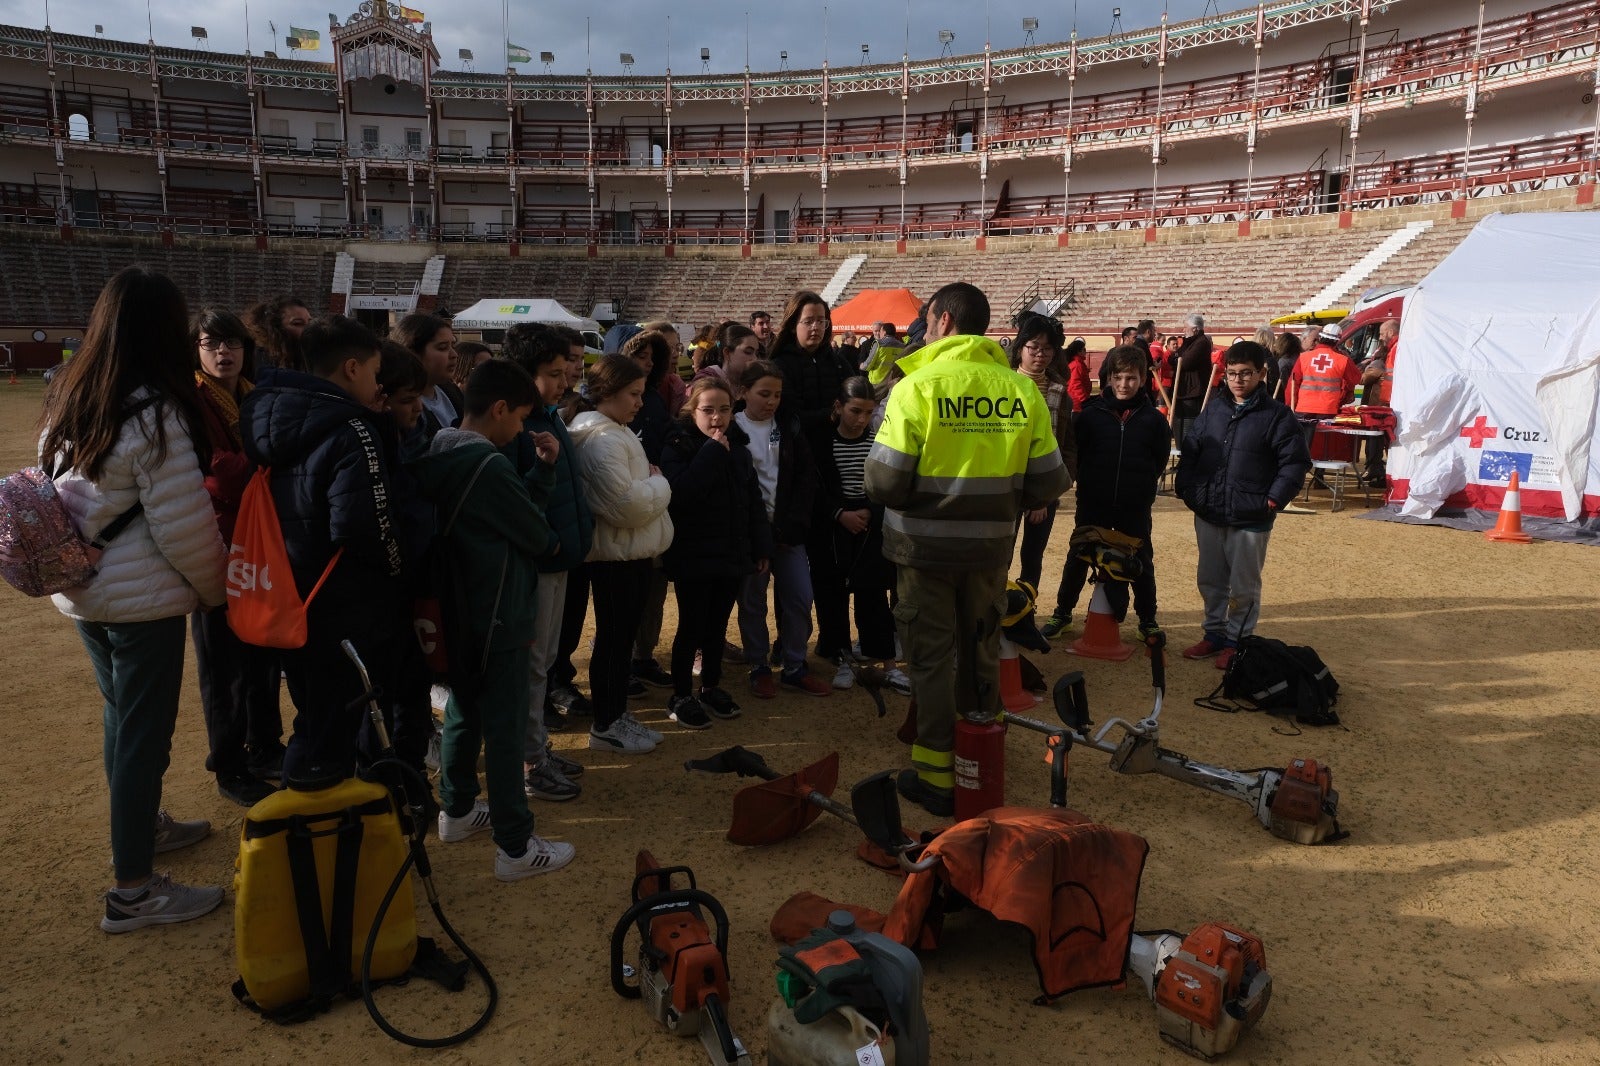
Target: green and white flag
304	40
515	53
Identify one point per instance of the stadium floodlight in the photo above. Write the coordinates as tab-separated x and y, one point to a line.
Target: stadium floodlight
946	37
198	33
627	59
333	21
547	57
784	55
1030	25
465	55
866	52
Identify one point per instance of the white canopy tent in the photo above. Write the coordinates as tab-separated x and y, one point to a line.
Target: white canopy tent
1498	370
505	313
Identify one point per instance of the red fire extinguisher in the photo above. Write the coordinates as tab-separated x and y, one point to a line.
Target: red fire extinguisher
980	767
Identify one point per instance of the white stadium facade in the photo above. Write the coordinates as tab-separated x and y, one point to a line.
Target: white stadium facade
1060	169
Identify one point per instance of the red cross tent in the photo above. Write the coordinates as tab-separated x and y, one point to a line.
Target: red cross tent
1498	370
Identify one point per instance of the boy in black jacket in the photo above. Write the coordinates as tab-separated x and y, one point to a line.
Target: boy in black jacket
1244	458
1123	447
331	485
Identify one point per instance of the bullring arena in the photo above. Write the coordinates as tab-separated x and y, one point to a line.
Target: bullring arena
1456	924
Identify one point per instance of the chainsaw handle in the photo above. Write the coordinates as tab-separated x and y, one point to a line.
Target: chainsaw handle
638	914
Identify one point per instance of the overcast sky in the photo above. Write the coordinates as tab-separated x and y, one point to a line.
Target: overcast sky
640	27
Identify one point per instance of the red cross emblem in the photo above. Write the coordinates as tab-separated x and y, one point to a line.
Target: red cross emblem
1479	431
1322	362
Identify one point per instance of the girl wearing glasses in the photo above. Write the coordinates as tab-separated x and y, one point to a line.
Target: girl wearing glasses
813	370
238	693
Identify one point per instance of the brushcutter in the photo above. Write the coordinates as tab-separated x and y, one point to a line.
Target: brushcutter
1295	803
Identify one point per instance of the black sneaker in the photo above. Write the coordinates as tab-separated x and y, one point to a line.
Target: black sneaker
570	700
649	671
570	769
267	764
636	689
244	789
719	703
936	801
554	720
687	712
548	783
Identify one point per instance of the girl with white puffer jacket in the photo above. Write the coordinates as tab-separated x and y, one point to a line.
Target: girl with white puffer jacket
120	425
629	498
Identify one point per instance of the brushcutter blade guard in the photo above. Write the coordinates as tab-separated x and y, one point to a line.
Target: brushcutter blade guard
876	805
781	807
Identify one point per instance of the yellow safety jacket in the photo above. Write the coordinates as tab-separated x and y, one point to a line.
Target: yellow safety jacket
965	448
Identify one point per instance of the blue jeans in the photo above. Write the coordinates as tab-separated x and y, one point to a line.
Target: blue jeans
139	668
790	571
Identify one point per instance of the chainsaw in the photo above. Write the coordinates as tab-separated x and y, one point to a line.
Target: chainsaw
682	971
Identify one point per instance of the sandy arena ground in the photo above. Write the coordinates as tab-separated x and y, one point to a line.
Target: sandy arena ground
1457	924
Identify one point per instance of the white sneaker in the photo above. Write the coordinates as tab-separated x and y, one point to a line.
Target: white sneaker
845	676
452	829
542	857
620	737
643	730
898	680
438	696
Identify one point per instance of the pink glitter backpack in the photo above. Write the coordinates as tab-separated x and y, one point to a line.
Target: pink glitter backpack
41	550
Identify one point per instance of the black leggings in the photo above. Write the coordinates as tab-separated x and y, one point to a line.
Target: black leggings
704	604
619	592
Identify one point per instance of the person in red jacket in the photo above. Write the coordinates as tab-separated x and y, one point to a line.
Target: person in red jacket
1324	378
238	682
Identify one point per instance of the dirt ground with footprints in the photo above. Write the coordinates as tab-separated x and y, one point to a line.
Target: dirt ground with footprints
1457	924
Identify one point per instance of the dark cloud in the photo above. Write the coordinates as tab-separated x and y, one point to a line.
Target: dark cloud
639	27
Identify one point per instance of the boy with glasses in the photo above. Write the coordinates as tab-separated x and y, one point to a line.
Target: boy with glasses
1242	460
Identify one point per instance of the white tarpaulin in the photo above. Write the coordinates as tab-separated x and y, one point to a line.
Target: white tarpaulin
503	314
1498	370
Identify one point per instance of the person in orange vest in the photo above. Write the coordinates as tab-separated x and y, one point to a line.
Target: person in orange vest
1323	379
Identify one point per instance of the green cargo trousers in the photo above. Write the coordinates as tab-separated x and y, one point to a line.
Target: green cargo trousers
489	713
949	625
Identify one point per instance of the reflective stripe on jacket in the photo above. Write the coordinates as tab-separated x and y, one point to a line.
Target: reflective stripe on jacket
965	447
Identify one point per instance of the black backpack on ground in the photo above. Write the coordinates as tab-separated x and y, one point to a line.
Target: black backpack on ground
1269	675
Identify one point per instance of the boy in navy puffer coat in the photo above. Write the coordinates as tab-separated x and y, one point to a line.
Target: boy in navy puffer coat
1244	458
331	485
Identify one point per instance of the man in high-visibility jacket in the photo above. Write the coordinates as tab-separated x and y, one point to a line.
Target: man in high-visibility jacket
964	449
1324	378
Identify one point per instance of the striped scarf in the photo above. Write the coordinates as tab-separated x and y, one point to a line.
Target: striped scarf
225	401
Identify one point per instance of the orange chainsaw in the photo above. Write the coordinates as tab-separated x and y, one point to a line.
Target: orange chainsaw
682	972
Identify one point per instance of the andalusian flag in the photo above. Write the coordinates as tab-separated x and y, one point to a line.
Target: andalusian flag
515	53
411	14
304	40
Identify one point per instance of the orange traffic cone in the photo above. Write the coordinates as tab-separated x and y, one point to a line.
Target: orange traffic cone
1509	526
1100	638
13	375
1013	697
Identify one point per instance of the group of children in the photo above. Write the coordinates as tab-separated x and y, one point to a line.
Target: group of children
514	494
523	486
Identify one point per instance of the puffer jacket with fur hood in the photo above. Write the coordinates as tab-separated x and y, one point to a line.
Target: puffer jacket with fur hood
171	559
629	502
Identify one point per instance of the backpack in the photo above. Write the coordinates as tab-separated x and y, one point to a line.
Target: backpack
264	605
1269	675
434	611
41	550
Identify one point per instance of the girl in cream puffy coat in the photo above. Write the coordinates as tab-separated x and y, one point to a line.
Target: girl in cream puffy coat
629	499
119	429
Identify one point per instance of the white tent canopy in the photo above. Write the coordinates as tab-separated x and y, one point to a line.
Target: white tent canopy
1498	370
505	313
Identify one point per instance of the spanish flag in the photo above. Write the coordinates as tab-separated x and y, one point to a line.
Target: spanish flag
411	14
304	40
